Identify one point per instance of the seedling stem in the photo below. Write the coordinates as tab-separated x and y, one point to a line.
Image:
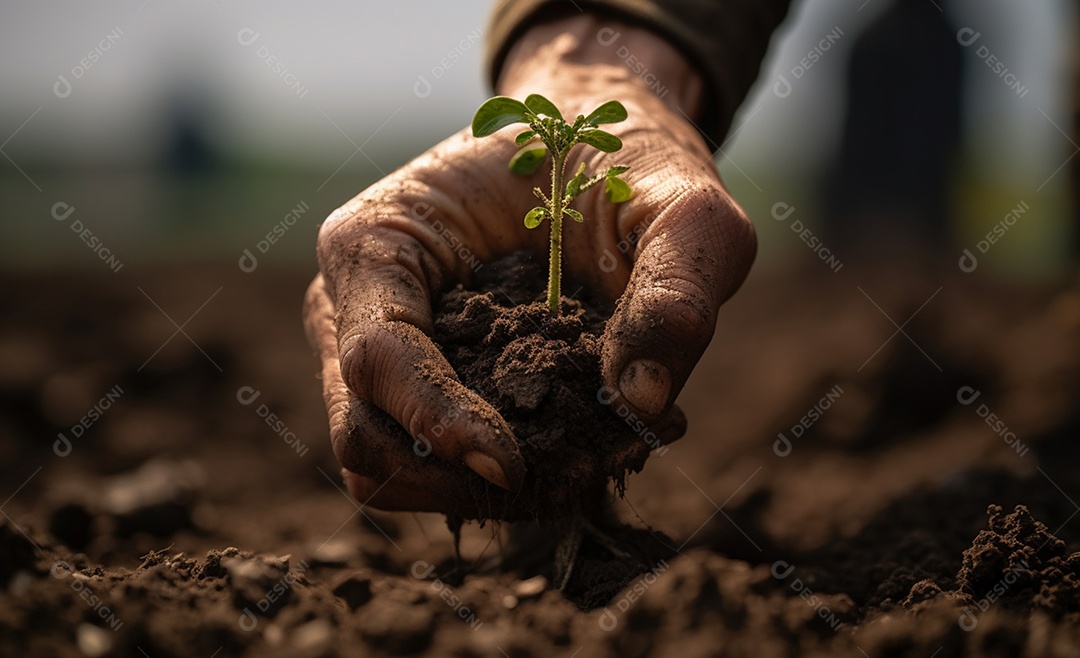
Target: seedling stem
556	138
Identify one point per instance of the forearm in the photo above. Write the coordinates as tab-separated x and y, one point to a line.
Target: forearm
722	41
563	60
575	55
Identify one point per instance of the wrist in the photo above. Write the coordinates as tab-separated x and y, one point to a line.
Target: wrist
579	61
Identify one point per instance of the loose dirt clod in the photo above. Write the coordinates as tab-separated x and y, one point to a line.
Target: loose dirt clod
1016	564
873	516
542	373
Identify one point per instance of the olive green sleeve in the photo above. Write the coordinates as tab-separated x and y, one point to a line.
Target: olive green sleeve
725	39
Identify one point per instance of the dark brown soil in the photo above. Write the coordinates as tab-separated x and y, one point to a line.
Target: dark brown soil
184	523
542	373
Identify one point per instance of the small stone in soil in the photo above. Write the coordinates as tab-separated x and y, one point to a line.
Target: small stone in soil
313	636
253	578
355	590
93	641
397	628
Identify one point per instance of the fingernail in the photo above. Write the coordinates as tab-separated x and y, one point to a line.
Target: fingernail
646	384
488	468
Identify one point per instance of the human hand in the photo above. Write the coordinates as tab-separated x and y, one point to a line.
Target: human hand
386	254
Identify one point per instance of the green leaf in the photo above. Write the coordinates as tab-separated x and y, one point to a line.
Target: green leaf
604	141
535	216
524	138
540	105
528	159
617	191
575	215
573	188
616	170
609	112
497	113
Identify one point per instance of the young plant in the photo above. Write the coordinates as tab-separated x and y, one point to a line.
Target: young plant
550	134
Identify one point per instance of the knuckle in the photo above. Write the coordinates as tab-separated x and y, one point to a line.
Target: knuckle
411	413
330	231
373	369
728	224
362	488
363	440
707	199
680	309
358	347
345	441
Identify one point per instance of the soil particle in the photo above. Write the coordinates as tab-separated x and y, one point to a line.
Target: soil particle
253	582
542	374
354	589
884	521
398	627
1018	564
156	499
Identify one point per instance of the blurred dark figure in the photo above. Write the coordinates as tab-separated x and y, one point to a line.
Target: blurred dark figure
188	149
190	160
901	131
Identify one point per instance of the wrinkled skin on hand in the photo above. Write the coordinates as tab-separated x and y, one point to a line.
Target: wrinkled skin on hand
386	254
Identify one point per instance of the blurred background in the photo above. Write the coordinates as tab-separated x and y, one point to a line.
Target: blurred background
192	148
152	130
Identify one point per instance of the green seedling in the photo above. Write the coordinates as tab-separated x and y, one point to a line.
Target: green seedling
551	135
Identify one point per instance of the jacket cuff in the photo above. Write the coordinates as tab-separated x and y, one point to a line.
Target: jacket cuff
724	41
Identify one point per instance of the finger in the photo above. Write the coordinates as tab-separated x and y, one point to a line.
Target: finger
392	496
379	276
396	471
386	469
671	427
400	495
365	439
689	261
654	439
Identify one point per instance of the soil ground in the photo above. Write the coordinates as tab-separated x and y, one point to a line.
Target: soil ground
198	513
542	374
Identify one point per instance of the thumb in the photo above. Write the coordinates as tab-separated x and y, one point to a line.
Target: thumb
690	260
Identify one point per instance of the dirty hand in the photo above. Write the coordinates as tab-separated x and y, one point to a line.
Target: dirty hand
679	249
